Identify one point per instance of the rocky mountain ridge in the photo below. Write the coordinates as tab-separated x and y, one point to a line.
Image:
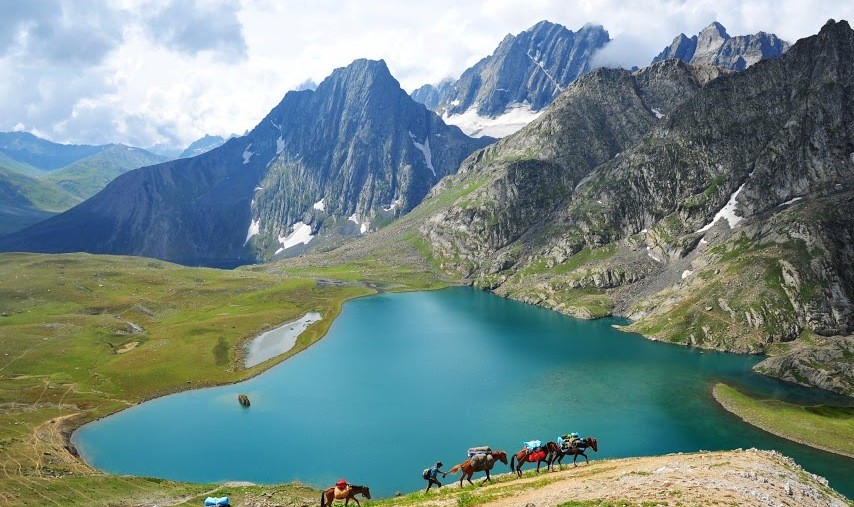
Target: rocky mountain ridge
325	164
714	46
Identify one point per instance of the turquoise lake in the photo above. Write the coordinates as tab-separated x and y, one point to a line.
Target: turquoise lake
403	380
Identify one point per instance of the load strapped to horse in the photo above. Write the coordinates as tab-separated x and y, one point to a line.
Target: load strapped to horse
572	444
532	451
570	441
481	459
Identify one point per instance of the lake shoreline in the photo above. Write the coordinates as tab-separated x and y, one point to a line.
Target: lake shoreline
70	425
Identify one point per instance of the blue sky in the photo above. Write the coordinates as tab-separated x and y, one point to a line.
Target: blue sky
168	71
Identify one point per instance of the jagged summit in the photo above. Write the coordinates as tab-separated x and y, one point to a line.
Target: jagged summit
504	91
714	46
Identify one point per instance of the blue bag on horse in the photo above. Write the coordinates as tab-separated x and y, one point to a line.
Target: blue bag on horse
533	444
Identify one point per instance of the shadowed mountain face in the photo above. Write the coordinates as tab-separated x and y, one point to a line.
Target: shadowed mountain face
331	162
713	46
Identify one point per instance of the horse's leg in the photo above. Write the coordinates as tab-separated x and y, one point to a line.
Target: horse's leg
357	501
574	457
586	459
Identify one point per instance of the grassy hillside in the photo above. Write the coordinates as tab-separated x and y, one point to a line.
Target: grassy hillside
85	178
25	200
17	166
820	426
19	188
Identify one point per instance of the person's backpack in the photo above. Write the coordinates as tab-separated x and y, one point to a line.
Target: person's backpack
425	474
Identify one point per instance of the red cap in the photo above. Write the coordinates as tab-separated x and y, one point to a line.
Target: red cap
341	482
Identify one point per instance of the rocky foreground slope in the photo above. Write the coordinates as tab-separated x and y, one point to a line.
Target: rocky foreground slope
744	478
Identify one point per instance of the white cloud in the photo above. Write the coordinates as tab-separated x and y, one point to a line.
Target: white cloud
164	71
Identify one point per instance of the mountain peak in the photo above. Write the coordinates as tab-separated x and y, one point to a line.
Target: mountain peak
832	25
715	29
505	90
544	24
361	72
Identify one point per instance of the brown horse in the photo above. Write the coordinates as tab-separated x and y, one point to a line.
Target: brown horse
556	453
348	494
469	470
526	456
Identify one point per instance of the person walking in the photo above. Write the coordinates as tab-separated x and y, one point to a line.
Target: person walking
431	473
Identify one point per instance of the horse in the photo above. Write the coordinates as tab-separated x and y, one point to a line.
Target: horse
469	470
351	492
523	456
556	452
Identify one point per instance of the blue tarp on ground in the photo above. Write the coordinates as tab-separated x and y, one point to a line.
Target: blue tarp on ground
216	502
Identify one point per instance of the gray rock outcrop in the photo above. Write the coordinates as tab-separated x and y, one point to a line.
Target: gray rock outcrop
714	46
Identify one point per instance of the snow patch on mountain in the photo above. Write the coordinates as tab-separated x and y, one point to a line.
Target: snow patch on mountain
254	228
515	117
394	205
319	205
727	212
425	150
247	154
301	235
557	85
364	226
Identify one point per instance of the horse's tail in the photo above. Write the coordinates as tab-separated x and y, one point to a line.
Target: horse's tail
513	463
455	469
322	497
